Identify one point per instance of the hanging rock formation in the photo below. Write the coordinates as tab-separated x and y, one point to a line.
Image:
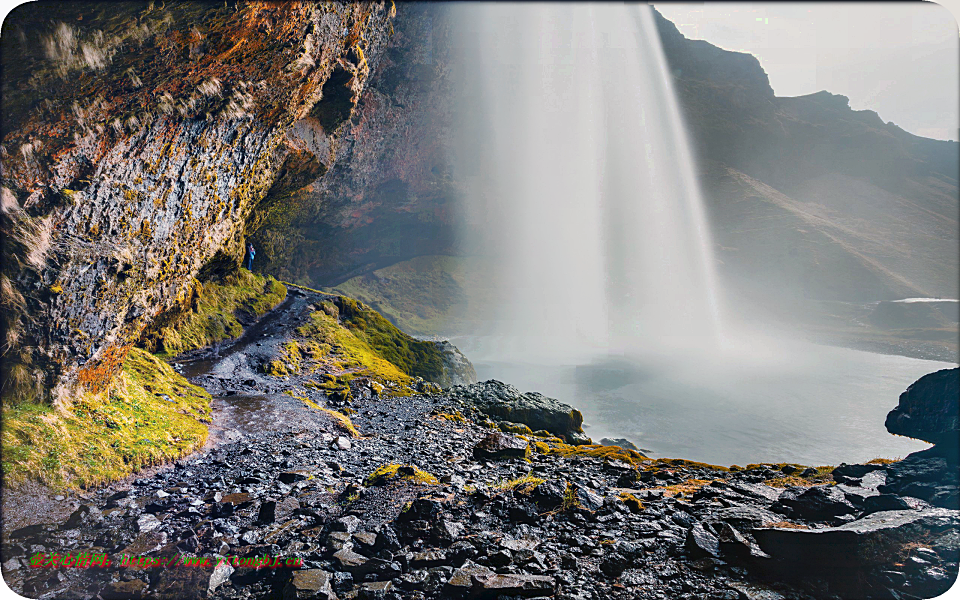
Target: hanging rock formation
142	144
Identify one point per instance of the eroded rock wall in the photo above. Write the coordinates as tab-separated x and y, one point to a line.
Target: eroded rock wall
142	142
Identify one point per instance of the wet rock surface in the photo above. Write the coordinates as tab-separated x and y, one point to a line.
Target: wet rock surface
456	524
929	409
503	402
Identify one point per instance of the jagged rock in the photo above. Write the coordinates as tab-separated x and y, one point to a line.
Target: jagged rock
221	573
929	409
817	503
926	475
124	590
349	524
620	442
375	590
309	583
147	522
855	471
753	591
289	477
348	560
272	510
743	517
457	370
85	515
549	494
883	502
500	446
481	582
701	542
867	541
502	401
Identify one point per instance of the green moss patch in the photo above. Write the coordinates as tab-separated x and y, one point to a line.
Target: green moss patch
394	472
213	311
348	352
412	356
149	415
342	420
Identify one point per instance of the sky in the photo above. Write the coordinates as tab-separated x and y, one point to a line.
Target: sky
900	59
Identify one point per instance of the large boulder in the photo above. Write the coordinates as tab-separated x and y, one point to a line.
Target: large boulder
818	503
930	409
503	402
872	540
927	475
457	369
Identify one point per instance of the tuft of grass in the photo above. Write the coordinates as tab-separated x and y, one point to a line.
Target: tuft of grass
570	499
786	525
210	313
342	420
685	487
593	451
632	502
454	417
519	428
522	484
882	461
393	472
147	416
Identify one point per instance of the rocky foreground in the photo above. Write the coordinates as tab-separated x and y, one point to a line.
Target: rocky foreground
480	491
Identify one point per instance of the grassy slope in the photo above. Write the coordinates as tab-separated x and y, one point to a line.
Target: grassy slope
213	313
101	437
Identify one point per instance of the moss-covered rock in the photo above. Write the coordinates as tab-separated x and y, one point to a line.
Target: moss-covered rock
395	472
216	311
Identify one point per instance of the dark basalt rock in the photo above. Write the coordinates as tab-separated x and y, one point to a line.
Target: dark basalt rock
866	541
926	475
310	583
930	409
818	503
701	543
499	446
481	582
620	442
504	402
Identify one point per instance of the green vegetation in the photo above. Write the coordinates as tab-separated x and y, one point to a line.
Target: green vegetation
399	472
341	419
414	357
212	313
147	416
349	352
592	451
632	502
454	417
523	484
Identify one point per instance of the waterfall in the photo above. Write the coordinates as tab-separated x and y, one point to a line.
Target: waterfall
581	184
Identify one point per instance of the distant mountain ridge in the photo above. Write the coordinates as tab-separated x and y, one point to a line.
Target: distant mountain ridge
809	198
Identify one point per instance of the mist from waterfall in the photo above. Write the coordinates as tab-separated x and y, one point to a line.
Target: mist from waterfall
581	186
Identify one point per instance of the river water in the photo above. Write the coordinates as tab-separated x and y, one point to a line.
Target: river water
823	405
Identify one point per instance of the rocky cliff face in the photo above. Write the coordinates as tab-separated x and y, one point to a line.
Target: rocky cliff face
142	142
389	196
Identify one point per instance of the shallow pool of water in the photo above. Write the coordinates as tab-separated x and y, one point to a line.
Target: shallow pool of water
824	405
